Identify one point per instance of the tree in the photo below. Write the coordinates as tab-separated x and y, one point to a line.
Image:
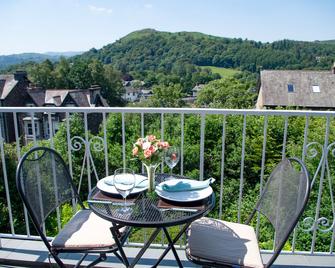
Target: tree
112	86
226	93
61	74
167	96
97	72
42	74
80	74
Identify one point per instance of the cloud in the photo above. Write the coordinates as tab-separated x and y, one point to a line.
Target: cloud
100	9
148	6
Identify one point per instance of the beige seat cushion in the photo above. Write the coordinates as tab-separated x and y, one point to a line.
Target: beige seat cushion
85	230
224	242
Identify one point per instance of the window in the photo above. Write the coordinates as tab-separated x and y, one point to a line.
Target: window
29	129
316	89
290	88
55	126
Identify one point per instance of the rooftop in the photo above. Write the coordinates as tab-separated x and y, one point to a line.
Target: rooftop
275	91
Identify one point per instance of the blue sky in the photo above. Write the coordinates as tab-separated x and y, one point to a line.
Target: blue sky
78	25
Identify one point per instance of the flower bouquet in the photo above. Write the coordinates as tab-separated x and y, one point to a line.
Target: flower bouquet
150	151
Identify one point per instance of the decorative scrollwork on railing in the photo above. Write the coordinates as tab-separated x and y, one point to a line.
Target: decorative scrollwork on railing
94	144
312	152
322	224
97	144
331	150
325	222
307	224
76	143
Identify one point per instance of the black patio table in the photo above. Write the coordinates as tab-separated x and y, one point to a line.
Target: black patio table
146	213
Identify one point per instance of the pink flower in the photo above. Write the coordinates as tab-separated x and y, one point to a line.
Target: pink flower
149	149
163	144
135	151
146	145
147	153
139	142
173	157
151	138
152	149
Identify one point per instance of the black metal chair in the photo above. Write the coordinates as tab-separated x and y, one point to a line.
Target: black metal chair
220	243
44	184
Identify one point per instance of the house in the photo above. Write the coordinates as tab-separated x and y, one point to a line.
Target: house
146	93
41	97
304	89
131	94
15	91
133	90
196	90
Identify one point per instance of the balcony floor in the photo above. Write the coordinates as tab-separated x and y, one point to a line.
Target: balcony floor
27	253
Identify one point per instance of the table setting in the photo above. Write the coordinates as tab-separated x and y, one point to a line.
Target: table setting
152	200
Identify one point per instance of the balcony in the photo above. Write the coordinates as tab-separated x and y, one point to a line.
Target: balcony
237	147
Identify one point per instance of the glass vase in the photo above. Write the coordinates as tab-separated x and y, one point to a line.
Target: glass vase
151	169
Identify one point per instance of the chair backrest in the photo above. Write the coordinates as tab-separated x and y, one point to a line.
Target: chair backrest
283	200
44	183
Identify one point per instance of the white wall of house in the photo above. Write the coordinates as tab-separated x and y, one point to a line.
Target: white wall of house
131	96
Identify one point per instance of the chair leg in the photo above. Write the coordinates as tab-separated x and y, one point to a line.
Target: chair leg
101	258
118	256
80	261
57	259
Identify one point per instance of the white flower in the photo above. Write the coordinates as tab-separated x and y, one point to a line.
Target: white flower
146	145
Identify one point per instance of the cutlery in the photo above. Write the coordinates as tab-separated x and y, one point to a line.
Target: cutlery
176	209
138	185
142	186
114	203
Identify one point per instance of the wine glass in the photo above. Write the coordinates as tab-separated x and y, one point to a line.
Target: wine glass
172	158
124	183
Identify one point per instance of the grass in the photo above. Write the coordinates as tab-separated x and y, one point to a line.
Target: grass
223	72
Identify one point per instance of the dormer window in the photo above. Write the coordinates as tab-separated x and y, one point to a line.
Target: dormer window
316	89
290	88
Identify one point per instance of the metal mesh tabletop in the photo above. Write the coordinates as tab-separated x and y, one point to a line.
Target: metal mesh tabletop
147	213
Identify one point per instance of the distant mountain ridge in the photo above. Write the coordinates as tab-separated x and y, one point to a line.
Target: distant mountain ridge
7	60
154	50
157	51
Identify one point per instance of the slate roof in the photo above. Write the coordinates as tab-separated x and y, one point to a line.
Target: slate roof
37	95
7	83
82	98
274	89
56	97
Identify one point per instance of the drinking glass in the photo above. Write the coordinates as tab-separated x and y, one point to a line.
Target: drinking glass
172	158
124	183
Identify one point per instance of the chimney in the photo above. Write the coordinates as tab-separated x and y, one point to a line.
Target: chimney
94	90
20	75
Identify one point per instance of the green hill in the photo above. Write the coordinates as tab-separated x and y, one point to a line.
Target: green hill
223	72
22	58
153	50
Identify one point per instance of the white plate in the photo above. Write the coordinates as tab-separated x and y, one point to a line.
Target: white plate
103	186
185	196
